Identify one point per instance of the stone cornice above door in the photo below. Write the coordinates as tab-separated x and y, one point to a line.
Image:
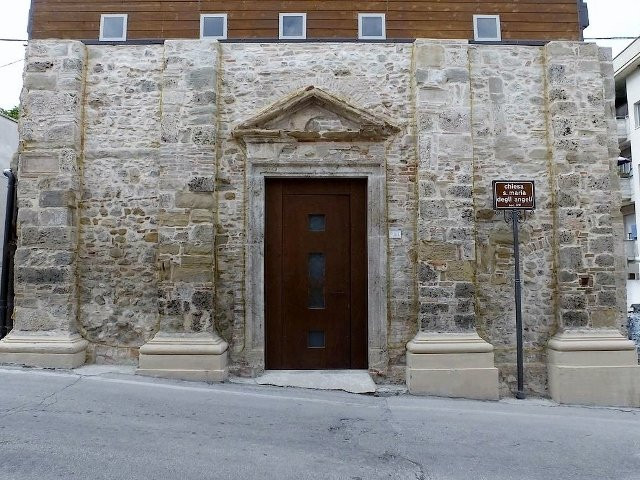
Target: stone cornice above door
313	115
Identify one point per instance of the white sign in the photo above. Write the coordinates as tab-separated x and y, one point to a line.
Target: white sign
395	233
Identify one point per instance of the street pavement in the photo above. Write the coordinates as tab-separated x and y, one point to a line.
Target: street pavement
62	425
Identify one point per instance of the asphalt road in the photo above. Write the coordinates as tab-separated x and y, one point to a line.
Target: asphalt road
113	426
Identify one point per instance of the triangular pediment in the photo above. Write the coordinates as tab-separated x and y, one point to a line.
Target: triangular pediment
314	115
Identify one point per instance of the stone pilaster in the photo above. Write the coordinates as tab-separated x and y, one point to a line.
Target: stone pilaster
589	360
187	345
49	171
447	357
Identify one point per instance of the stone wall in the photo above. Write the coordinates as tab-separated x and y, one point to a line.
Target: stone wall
509	132
119	200
147	204
139	225
374	77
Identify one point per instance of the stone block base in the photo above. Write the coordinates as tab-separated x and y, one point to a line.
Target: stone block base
195	357
46	350
451	365
593	368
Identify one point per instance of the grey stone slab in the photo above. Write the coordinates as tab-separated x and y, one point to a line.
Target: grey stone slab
93	370
354	381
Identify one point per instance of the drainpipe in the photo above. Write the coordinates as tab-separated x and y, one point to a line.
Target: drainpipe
5	325
583	17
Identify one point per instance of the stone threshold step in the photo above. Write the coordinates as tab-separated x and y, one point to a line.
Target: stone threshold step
353	381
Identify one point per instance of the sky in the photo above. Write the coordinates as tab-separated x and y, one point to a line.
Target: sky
609	18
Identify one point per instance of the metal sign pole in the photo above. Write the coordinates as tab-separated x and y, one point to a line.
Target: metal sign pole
518	294
514	196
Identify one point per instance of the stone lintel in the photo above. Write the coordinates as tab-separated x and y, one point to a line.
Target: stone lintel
593	367
373	134
452	365
43	349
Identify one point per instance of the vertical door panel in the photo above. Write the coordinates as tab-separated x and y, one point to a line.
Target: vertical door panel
316	266
315	271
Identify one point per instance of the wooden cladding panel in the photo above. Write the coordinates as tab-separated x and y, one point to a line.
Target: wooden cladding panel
520	19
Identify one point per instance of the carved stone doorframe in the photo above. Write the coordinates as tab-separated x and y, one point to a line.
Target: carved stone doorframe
353	146
376	254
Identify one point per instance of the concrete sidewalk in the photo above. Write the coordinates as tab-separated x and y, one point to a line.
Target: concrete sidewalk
108	424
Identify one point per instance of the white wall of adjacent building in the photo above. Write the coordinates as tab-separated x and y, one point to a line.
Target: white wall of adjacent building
8	147
627	74
633	98
633	293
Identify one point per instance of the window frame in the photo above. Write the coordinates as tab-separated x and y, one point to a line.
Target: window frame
125	19
225	20
282	16
636	114
477	37
382	16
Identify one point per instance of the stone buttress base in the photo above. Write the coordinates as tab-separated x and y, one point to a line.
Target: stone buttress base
43	349
185	356
598	367
451	365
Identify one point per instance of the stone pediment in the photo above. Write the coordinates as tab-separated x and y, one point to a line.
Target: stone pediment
314	115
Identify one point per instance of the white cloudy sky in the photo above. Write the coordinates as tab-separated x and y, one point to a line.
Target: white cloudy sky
609	18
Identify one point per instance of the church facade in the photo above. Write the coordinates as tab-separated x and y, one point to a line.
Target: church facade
201	208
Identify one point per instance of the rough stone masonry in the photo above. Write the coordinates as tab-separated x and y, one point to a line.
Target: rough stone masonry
136	202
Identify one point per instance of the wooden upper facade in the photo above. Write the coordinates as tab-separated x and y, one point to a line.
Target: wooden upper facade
524	20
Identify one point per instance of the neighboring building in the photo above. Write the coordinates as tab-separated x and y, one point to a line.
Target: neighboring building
524	20
627	78
199	207
8	148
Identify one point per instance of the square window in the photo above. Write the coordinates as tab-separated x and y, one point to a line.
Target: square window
293	26
636	114
113	27
213	25
486	28
371	26
315	339
316	222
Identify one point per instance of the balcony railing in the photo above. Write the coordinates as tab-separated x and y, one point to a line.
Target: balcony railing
625	169
623	128
626	190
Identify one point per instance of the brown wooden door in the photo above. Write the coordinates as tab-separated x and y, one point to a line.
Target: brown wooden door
316	274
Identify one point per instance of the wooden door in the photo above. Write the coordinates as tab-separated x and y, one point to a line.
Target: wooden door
316	274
